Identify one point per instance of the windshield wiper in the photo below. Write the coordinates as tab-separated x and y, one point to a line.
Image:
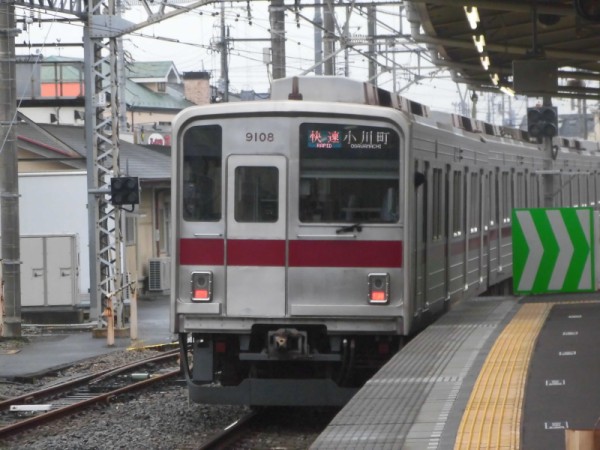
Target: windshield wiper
349	228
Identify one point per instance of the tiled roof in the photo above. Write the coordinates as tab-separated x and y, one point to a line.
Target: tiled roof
136	94
139	96
135	160
159	70
28	131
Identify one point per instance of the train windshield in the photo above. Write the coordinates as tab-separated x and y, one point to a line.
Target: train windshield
348	173
202	173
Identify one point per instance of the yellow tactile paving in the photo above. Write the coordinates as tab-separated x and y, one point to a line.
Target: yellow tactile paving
492	418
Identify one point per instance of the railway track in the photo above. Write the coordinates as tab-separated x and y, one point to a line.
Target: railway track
232	434
271	427
33	408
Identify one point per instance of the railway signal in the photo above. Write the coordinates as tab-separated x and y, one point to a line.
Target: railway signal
124	191
542	121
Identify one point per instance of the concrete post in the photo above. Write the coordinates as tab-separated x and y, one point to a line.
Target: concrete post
9	176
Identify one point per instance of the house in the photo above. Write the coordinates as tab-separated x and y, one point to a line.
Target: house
53	91
51	137
155	93
51	148
53	178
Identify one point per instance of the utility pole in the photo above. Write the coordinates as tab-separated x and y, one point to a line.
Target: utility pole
10	300
224	55
372	32
318	23
329	40
277	18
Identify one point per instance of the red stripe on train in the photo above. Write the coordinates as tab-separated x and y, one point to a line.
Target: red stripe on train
201	252
210	252
255	253
345	254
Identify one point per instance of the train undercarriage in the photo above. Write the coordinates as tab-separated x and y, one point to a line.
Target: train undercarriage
282	366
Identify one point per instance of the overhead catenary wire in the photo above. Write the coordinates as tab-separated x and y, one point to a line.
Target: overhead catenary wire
246	58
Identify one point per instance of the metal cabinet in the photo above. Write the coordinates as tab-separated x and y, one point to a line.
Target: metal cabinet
49	270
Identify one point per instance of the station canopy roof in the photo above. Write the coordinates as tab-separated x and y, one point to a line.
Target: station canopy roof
555	43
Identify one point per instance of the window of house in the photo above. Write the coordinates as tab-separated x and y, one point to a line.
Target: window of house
130	230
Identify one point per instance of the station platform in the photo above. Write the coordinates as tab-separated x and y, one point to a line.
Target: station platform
494	373
56	346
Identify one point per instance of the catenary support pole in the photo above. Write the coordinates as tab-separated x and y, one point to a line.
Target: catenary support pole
9	176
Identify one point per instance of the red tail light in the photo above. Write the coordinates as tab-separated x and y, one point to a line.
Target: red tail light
379	288
378	296
202	286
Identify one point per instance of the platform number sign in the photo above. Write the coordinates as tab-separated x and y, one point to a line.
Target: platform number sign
553	250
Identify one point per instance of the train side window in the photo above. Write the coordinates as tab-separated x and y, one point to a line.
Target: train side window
535	191
457	206
256	194
566	189
486	199
591	189
575	194
520	191
491	200
584	200
506	193
474	203
437	216
202	173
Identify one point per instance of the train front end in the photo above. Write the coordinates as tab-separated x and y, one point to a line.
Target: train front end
288	281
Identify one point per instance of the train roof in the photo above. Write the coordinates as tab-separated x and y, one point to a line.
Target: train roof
346	90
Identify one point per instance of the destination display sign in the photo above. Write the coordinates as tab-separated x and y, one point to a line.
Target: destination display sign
320	139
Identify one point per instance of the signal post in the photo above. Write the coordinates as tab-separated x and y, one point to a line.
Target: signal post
542	124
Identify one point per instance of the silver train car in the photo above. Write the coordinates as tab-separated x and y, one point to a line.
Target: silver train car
315	232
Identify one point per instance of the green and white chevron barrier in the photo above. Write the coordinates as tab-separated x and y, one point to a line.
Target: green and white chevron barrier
553	250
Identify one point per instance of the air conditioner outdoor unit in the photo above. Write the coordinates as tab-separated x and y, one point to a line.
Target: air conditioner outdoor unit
159	271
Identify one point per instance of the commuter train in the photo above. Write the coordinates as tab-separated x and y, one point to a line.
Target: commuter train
316	231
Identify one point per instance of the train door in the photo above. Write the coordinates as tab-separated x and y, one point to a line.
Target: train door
256	235
504	226
456	233
485	232
435	242
420	236
495	225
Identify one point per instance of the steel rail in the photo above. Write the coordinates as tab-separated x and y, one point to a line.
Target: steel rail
230	434
84	379
97	398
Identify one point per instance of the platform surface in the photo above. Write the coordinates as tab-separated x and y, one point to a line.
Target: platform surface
494	373
57	346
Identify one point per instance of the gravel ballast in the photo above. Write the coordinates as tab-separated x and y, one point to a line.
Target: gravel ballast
157	418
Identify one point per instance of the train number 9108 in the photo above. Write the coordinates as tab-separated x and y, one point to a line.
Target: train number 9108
259	137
